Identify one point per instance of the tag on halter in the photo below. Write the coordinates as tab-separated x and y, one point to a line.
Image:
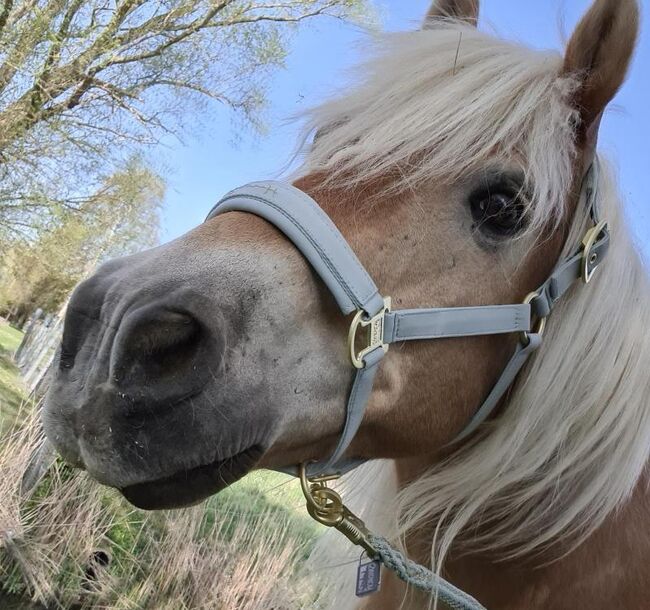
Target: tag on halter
368	576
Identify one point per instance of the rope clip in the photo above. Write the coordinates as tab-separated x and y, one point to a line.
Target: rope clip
326	506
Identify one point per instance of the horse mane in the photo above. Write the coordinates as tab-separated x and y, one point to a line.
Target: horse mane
433	105
574	439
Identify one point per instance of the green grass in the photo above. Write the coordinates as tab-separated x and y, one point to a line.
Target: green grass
266	506
12	390
264	491
10	337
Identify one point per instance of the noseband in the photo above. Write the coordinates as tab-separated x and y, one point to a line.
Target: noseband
313	233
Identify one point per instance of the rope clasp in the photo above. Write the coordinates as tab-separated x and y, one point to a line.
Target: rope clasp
325	505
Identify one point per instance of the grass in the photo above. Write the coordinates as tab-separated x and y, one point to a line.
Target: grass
242	549
12	390
10	337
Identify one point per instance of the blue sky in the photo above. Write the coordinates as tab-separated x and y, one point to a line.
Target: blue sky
204	167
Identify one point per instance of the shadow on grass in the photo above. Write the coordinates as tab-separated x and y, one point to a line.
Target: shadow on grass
12	602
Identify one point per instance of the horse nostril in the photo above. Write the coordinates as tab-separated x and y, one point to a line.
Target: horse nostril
164	332
158	344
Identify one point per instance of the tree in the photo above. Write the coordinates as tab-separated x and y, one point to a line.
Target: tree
121	217
81	81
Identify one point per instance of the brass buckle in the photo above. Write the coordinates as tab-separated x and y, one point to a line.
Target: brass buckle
590	259
375	326
325	505
540	326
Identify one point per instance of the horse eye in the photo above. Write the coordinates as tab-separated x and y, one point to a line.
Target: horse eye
498	214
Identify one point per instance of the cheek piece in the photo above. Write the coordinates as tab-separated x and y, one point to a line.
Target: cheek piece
314	234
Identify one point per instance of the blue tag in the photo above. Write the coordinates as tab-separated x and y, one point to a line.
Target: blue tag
368	577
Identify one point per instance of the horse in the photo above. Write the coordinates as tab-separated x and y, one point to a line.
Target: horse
453	168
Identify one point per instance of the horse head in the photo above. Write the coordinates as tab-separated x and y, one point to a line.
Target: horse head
453	170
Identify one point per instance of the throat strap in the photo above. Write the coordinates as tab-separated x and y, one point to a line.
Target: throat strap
523	352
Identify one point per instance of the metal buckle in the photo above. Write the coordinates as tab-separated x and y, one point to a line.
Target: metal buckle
540	326
375	326
325	505
590	259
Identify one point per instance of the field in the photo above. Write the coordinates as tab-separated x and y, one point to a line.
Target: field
11	389
73	544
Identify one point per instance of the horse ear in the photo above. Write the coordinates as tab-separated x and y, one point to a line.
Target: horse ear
599	54
463	10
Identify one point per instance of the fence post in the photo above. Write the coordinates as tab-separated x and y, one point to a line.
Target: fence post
28	329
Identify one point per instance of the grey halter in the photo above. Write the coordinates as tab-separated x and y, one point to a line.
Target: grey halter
301	219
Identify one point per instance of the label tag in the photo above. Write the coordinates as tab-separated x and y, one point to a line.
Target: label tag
368	576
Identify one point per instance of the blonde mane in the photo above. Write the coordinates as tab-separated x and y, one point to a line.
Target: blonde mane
574	438
436	104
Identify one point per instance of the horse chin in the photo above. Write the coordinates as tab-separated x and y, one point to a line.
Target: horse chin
191	486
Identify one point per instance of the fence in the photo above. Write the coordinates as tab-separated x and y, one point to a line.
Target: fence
39	345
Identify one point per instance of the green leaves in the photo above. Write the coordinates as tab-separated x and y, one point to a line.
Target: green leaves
120	217
85	83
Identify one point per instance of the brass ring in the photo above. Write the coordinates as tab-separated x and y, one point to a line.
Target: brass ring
539	327
323	503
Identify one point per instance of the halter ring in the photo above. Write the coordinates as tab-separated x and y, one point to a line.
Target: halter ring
540	325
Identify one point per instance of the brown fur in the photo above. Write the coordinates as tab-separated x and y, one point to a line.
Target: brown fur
600	50
406	420
607	572
432	412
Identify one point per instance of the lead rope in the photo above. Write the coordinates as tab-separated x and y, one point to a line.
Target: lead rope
422	578
326	506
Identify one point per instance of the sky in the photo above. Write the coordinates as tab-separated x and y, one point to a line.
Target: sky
202	168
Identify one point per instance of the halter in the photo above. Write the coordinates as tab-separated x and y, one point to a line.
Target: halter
313	233
300	218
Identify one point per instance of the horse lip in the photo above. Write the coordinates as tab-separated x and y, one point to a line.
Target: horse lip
190	486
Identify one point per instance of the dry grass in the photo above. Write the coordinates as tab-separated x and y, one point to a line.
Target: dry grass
227	554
